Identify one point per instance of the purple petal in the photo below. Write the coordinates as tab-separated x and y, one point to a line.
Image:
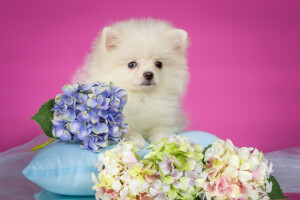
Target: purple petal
75	126
101	128
87	88
102	144
59	131
66	136
105	104
82	98
124	101
68	100
99	90
119	119
58	99
100	99
103	114
68	89
84	116
83	132
113	87
69	115
94	117
113	129
81	107
115	103
92	103
120	94
93	145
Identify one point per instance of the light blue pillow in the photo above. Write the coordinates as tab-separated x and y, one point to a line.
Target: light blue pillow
65	168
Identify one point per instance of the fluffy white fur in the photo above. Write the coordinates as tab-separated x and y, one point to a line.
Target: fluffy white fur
152	111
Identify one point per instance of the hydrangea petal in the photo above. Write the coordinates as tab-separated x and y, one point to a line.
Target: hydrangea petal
69	89
94	117
69	115
83	116
75	126
101	128
83	132
65	136
120	94
92	102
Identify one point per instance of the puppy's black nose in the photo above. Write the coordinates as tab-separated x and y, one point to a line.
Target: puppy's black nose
148	75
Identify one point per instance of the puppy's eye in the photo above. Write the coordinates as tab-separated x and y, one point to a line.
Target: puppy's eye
132	65
158	64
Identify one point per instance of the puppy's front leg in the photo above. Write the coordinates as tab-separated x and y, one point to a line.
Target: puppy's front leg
155	134
136	138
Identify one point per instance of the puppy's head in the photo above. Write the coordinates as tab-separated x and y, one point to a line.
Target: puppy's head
142	55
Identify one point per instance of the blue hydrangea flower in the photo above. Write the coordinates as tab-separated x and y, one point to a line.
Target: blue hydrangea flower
91	113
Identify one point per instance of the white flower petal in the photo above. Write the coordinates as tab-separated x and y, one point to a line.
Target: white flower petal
245	176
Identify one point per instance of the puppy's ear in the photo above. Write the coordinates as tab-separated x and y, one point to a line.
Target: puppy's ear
110	38
179	39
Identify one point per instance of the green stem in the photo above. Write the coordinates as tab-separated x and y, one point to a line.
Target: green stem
38	147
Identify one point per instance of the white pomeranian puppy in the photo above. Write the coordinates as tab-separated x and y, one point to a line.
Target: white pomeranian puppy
147	58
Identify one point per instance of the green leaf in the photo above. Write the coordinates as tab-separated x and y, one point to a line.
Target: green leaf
205	149
276	192
44	116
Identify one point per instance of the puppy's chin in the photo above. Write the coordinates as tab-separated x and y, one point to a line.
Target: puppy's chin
143	87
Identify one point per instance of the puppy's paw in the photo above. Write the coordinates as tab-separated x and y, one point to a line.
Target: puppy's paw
157	133
137	139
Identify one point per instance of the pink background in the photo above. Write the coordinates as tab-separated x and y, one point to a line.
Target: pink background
243	58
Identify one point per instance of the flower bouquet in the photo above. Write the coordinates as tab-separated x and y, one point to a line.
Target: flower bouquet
91	113
178	169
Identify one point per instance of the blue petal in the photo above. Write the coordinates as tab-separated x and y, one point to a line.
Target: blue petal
101	128
115	103
103	113
113	129
69	90
83	132
94	117
82	107
100	99
124	101
82	98
105	104
114	139
119	119
99	90
106	93
58	99
102	143
83	116
75	126
87	88
120	94
68	100
110	118
93	145
113	87
92	103
66	136
69	115
75	138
